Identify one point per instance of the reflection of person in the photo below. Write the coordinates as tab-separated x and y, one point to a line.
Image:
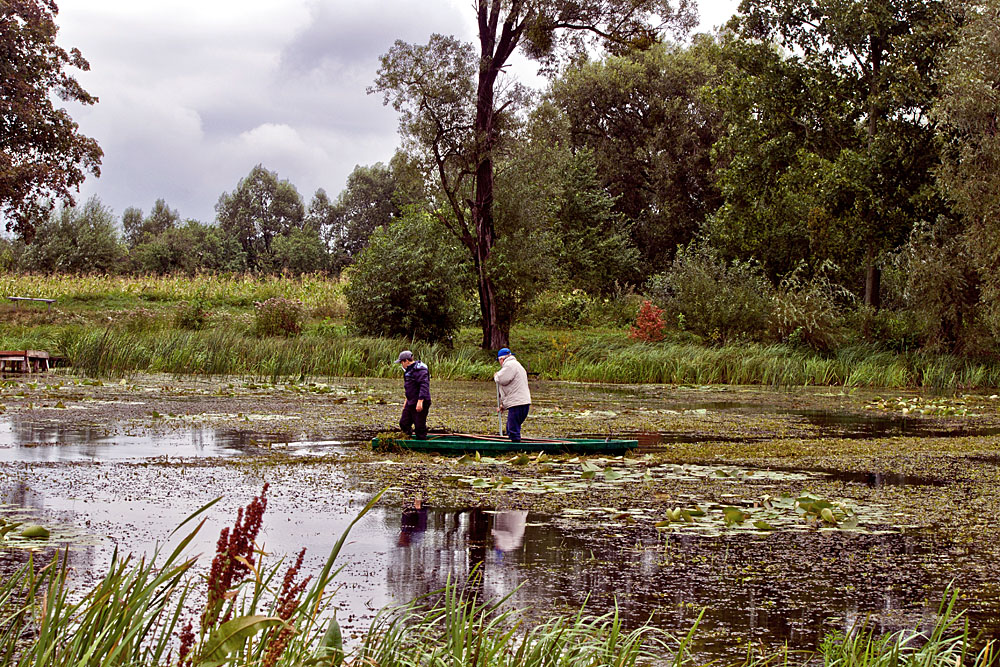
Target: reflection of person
512	381
413	524
417	387
508	529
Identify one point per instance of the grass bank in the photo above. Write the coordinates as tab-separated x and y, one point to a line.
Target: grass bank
111	326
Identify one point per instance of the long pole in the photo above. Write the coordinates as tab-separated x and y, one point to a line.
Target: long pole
499	414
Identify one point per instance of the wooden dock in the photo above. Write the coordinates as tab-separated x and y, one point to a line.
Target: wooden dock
24	361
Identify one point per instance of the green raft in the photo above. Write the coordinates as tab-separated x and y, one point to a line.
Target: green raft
461	443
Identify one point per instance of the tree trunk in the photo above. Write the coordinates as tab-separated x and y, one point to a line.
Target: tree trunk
873	284
873	275
495	334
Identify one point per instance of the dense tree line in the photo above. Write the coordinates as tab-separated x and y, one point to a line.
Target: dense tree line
814	157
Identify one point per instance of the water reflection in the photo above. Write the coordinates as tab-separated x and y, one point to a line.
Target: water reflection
783	587
25	441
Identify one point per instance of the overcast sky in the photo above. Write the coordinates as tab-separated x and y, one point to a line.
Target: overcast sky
194	93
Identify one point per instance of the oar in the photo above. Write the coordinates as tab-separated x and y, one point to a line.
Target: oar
499	414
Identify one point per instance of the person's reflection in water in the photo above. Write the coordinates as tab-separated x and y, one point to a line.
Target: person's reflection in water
413	524
508	531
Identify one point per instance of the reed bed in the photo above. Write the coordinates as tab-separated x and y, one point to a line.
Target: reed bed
233	350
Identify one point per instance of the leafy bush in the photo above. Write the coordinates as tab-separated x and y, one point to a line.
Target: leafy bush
79	239
192	314
943	285
809	311
409	281
700	292
559	309
649	326
619	309
896	330
278	316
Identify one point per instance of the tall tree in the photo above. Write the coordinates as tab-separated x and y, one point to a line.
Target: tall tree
76	239
259	209
968	111
43	156
651	126
455	103
881	56
368	201
160	219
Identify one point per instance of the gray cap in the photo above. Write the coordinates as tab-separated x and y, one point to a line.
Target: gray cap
405	355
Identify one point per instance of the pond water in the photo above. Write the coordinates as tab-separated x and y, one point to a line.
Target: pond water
127	484
769	588
24	441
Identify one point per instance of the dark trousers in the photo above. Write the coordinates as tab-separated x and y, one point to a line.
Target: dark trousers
412	422
515	417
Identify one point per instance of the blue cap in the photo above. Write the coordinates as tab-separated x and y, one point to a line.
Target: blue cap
503	352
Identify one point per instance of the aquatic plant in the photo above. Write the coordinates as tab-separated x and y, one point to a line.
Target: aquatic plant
453	627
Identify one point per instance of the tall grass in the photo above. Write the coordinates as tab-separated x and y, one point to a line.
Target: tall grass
461	631
114	353
136	613
118	351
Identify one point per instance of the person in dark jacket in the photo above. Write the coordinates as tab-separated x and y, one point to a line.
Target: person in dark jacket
417	387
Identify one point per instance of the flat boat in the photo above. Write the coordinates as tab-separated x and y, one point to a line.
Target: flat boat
463	443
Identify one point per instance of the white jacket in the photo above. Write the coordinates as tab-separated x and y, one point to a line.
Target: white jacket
512	380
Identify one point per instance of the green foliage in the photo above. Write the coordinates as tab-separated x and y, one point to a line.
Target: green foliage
943	285
409	282
260	209
618	309
372	197
75	240
8	255
299	251
278	316
810	310
160	219
192	314
650	126
457	109
828	153
189	249
593	244
967	110
897	330
44	155
560	309
721	301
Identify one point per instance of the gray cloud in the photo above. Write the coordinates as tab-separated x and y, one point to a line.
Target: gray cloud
194	93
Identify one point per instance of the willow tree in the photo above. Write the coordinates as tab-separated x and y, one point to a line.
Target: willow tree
455	104
873	61
968	113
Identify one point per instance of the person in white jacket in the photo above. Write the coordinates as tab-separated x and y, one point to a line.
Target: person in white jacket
512	381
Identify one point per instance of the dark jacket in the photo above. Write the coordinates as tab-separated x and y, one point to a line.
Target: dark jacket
417	382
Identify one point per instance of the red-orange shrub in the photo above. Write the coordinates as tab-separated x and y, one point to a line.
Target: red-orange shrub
649	326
